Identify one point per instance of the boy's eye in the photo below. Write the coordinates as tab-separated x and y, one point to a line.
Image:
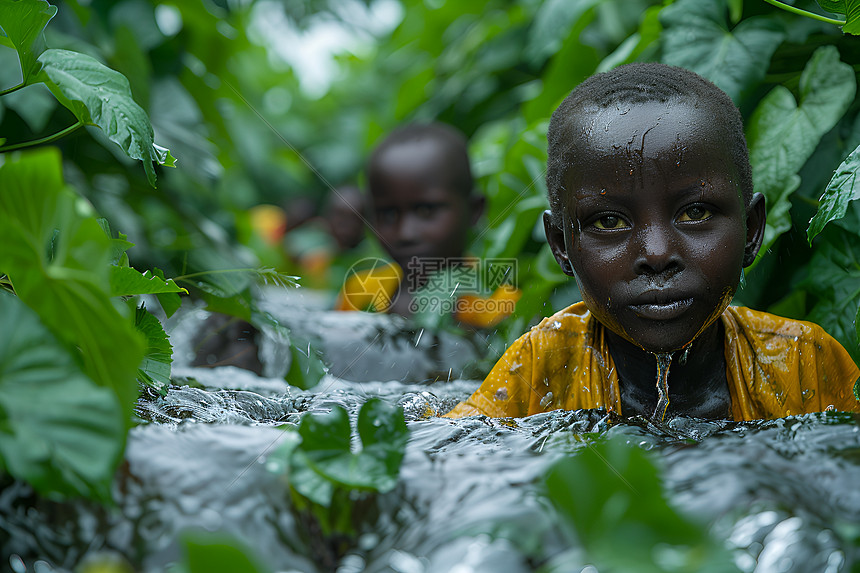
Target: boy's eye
610	222
694	213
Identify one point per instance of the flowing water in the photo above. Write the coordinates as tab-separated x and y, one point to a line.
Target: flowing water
782	495
664	362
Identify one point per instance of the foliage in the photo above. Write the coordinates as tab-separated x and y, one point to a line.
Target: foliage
625	508
95	94
331	485
214	553
69	397
62	432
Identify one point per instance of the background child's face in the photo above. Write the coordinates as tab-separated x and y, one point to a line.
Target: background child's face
415	210
655	227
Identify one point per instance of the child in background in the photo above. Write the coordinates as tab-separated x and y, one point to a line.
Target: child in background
653	213
422	206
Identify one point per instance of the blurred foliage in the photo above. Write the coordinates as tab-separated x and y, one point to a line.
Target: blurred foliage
625	507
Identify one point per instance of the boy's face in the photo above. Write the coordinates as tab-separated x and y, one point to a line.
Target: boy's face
654	224
415	210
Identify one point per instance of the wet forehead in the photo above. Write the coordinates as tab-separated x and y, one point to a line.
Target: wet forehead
667	140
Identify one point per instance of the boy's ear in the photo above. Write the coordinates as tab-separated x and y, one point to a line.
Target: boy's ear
477	204
756	219
555	238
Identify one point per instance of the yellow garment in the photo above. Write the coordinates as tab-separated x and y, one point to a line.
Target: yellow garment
374	289
775	367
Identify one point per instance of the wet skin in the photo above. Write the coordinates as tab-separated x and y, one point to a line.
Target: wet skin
656	233
417	212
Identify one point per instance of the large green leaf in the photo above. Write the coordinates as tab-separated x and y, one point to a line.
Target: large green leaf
58	430
842	190
24	22
834	280
783	132
697	37
101	97
57	256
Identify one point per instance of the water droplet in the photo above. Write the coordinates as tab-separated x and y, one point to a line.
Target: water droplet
545	401
17	564
501	394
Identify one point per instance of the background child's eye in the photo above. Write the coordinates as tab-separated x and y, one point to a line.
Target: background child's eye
386	216
695	213
426	210
611	222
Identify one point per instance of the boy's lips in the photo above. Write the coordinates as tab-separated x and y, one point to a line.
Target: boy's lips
662	310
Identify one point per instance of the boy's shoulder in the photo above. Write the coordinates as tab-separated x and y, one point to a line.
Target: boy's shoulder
781	366
576	317
765	323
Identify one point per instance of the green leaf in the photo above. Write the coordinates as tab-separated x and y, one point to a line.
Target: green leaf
126	281
849	8
834	279
573	59
24	22
697	37
624	507
783	132
154	370
306	364
57	257
384	434
736	10
216	553
325	449
554	24
842	189
170	302
58	430
834	6
101	97
857	342
634	46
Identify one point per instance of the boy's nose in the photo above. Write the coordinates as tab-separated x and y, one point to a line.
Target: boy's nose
657	252
407	229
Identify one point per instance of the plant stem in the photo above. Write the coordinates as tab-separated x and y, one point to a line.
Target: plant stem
12	89
800	12
44	140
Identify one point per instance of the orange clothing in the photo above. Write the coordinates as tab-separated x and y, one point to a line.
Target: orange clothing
375	288
775	367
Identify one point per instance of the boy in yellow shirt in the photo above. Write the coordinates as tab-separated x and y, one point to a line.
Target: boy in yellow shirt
423	204
653	213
